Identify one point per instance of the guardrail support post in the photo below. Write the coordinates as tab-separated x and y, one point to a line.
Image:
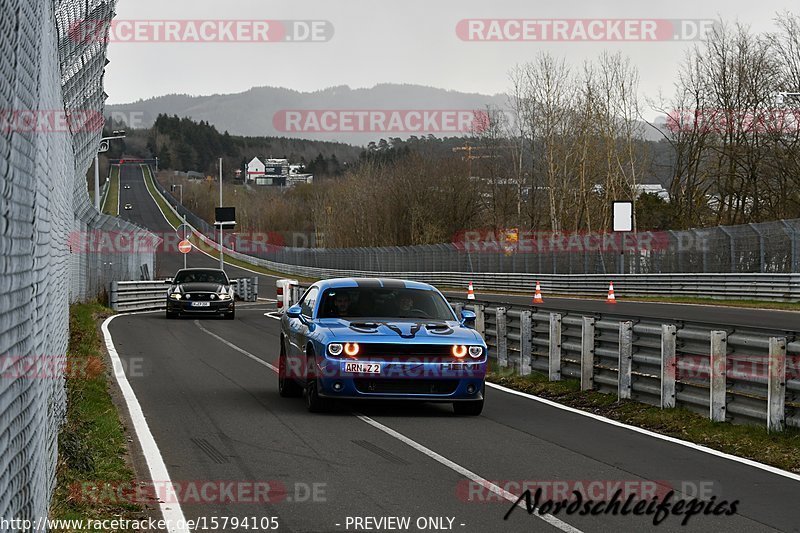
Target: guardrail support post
718	371
502	338
113	296
776	384
554	353
458	307
525	342
669	367
587	353
625	360
480	320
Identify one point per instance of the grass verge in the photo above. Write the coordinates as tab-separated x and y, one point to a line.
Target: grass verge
92	446
751	442
111	205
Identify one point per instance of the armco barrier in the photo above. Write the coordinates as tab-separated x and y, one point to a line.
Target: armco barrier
126	296
735	374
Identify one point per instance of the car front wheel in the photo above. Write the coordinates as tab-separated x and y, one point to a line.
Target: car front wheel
314	402
287	387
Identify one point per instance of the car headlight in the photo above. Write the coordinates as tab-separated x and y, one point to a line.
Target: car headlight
224	296
459	351
175	296
475	352
335	349
351	349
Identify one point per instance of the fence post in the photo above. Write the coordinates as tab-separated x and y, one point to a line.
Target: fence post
554	353
480	321
718	371
502	338
525	342
776	384
625	360
587	353
669	367
458	307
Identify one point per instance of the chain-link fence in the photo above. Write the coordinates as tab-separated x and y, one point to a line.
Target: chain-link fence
51	100
769	247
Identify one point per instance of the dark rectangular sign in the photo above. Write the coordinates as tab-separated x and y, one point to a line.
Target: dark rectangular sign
225	216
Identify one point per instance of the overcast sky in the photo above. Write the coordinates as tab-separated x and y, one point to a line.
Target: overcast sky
400	41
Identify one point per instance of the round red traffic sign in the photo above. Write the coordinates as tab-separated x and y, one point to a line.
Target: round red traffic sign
185	247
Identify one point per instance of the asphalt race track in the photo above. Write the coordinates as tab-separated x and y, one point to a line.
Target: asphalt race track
210	399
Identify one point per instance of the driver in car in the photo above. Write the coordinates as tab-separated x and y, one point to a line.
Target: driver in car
405	303
341	304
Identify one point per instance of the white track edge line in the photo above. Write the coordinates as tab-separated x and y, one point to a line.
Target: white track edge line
673	440
172	512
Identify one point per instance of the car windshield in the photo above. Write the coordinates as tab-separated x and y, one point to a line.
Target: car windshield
201	276
363	302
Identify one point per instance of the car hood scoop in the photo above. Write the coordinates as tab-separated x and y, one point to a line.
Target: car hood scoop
405	330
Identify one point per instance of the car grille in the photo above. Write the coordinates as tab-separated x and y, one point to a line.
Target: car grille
406	386
199	296
424	353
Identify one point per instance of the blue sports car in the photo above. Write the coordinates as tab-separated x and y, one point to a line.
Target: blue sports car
380	339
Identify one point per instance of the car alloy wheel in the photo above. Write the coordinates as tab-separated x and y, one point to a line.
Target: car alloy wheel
314	402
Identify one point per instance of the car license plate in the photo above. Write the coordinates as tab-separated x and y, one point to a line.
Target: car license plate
363	368
201	304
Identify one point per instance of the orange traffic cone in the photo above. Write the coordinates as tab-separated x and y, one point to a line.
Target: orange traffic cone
537	296
611	298
470	292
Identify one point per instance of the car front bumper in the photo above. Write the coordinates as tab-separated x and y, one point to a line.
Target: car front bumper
214	307
429	382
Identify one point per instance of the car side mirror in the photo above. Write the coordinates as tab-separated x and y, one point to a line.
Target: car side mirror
468	318
293	312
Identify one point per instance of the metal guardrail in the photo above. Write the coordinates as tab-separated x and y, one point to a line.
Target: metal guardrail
127	296
740	375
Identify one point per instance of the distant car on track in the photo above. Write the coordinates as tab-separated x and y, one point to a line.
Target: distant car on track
128	207
126	187
200	291
380	339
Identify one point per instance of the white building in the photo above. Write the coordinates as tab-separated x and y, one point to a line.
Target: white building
276	172
255	169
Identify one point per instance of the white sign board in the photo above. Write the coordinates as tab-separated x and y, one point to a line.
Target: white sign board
623	216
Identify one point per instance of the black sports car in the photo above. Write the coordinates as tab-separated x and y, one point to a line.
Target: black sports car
200	291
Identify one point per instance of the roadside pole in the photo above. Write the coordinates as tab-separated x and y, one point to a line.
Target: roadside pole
184	238
221	256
